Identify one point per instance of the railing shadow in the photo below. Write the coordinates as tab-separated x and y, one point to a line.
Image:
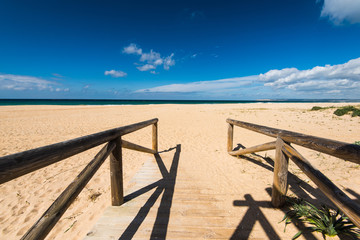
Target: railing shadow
254	212
299	187
252	215
355	194
166	186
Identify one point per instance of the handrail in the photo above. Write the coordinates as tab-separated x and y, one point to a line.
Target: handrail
346	151
338	197
49	218
19	164
284	151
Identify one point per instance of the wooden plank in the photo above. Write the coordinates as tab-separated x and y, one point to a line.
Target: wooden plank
47	221
155	137
116	174
230	138
280	184
18	164
136	147
346	151
338	197
258	148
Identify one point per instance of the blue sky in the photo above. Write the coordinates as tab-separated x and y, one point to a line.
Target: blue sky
255	49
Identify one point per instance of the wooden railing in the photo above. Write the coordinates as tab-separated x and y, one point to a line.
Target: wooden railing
19	164
284	151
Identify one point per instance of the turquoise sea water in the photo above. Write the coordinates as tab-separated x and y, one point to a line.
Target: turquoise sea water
11	102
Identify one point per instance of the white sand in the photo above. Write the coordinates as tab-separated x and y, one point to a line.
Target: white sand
202	132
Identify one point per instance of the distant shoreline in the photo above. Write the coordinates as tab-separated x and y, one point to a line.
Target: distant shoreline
75	102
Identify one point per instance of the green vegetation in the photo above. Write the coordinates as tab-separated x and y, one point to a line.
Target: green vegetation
357	143
317	108
325	220
340	111
345	110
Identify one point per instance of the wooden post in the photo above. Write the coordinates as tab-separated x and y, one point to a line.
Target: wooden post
230	137
116	175
155	137
280	184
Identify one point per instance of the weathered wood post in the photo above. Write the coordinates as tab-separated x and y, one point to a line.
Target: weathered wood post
230	137
116	175
155	137
280	184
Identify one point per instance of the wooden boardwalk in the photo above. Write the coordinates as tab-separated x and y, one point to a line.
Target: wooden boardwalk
159	204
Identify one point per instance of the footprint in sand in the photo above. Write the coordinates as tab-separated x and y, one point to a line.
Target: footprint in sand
5	230
34	211
22	231
22	210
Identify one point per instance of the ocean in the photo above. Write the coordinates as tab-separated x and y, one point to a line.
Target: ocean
12	102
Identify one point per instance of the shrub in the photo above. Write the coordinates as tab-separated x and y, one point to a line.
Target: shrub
344	110
325	220
316	108
356	113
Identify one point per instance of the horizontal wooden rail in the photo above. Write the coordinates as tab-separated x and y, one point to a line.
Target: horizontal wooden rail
133	146
346	151
258	148
338	197
47	221
284	151
18	164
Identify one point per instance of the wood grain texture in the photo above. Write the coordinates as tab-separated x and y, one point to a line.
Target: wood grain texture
280	183
346	151
47	221
258	148
230	138
338	197
155	137
116	174
133	146
18	164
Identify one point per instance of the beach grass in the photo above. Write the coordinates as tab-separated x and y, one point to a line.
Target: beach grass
341	111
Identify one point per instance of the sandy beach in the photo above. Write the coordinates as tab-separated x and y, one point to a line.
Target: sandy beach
201	131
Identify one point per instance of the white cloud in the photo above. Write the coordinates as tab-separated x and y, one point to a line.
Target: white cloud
146	67
116	73
151	59
168	61
132	49
20	82
339	11
340	75
158	62
203	86
325	85
341	79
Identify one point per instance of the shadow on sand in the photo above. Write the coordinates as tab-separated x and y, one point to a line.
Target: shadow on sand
300	188
166	186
